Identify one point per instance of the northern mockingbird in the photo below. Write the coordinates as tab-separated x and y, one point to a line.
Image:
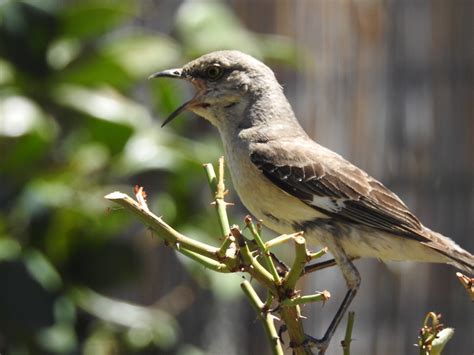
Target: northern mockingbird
292	183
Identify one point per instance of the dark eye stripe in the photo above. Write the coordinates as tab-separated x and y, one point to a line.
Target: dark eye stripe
202	73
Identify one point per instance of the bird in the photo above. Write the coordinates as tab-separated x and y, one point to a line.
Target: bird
291	183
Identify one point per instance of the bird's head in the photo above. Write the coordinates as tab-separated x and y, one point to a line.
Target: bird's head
226	83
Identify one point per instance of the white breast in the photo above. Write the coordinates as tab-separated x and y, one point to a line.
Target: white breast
261	197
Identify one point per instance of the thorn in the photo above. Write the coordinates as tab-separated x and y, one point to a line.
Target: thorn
274	317
140	195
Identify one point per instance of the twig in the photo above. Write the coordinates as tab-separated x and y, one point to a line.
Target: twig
298	300
301	259
284	238
291	316
265	253
228	241
160	227
206	262
237	254
265	317
218	189
252	265
346	343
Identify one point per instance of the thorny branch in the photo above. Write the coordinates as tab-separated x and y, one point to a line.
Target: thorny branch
238	253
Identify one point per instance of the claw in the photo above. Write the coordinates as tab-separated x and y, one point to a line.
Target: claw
320	344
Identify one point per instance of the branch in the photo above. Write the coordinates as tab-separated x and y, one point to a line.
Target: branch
265	317
301	258
266	254
346	343
218	189
159	226
237	254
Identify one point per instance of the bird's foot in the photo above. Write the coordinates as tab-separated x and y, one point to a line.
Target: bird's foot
320	344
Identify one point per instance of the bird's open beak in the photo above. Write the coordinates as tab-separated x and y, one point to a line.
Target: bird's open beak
176	74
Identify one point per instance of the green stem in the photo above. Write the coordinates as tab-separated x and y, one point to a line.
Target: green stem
204	261
281	239
252	266
265	317
301	258
290	315
161	228
346	343
318	297
211	177
269	300
225	245
318	254
265	253
218	189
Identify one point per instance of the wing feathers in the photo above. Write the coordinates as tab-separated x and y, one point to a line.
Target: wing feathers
337	188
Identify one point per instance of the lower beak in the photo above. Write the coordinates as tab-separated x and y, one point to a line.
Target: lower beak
180	109
176	74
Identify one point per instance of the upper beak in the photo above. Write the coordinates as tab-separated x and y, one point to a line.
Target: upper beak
168	73
177	74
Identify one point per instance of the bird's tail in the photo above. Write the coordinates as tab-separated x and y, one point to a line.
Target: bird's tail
457	256
463	260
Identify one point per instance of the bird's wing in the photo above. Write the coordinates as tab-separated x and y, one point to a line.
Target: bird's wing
332	185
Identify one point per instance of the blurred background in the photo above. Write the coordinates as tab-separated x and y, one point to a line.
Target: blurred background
387	84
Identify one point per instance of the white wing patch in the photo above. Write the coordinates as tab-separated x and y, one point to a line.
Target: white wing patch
328	203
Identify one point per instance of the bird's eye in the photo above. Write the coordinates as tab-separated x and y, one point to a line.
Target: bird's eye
214	72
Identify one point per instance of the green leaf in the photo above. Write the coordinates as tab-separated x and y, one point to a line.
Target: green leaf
7	72
93	69
42	270
106	105
86	19
441	340
60	338
142	54
145	324
9	249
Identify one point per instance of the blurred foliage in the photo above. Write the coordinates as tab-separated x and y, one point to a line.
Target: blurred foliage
70	132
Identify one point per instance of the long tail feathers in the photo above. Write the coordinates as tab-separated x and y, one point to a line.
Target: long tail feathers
458	257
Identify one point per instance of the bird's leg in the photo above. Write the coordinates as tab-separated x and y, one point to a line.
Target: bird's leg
352	277
319	266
